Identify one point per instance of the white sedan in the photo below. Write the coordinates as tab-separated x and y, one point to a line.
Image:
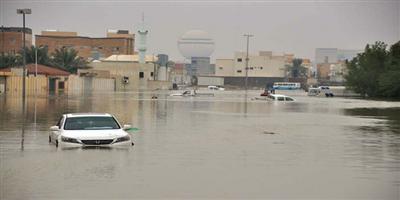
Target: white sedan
89	129
274	97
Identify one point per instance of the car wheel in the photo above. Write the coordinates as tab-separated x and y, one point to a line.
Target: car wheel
56	143
49	139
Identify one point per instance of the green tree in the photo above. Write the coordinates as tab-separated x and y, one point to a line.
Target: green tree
376	71
42	55
389	81
296	69
10	60
68	59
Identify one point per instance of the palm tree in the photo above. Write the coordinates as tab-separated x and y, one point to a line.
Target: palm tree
10	60
42	55
296	70
68	59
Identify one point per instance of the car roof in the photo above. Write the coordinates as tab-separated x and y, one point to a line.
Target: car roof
69	115
278	95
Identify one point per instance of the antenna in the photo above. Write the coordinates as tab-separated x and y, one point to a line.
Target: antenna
142	17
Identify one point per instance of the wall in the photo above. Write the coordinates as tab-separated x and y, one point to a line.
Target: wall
263	65
131	70
208	80
224	67
12	42
159	85
13	85
87	46
252	82
78	85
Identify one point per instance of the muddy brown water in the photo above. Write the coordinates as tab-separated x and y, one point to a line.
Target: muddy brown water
220	147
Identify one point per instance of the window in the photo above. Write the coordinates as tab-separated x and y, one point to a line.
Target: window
239	71
151	74
221	68
281	99
61	85
141	74
289	99
239	59
90	123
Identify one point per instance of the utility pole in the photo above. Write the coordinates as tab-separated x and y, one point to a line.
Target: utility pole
247	59
23	12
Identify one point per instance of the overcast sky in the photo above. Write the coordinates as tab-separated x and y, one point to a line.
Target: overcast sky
280	26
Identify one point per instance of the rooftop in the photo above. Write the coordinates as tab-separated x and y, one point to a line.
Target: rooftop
41	69
88	115
15	29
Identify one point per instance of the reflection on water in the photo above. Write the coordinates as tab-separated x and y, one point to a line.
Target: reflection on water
206	147
391	116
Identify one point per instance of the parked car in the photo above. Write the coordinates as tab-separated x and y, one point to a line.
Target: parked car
89	129
320	91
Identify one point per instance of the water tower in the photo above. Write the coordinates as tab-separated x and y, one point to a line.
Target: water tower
197	46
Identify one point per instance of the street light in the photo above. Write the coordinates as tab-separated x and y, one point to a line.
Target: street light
247	59
25	11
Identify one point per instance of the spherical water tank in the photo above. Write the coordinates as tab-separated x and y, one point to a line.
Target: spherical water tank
196	43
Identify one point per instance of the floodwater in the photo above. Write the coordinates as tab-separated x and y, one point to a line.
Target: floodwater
221	147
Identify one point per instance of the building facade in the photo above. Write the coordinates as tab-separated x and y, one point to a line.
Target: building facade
11	39
334	55
48	80
126	70
265	64
331	63
116	42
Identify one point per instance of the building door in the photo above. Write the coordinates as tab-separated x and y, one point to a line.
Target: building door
52	85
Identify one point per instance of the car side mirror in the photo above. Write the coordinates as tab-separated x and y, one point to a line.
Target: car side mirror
127	126
54	128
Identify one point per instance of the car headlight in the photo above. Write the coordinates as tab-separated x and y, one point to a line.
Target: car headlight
123	139
70	140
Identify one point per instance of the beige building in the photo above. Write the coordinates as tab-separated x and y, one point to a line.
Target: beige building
48	80
129	75
265	64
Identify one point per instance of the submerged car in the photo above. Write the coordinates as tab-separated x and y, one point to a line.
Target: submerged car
275	97
89	129
280	97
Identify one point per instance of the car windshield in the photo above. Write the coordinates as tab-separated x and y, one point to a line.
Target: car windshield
90	123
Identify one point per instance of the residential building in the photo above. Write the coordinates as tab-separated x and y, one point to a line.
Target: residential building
326	55
48	79
128	73
331	63
265	68
334	55
116	42
265	64
179	73
11	39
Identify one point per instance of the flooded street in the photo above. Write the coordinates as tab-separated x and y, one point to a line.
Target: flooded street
206	147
